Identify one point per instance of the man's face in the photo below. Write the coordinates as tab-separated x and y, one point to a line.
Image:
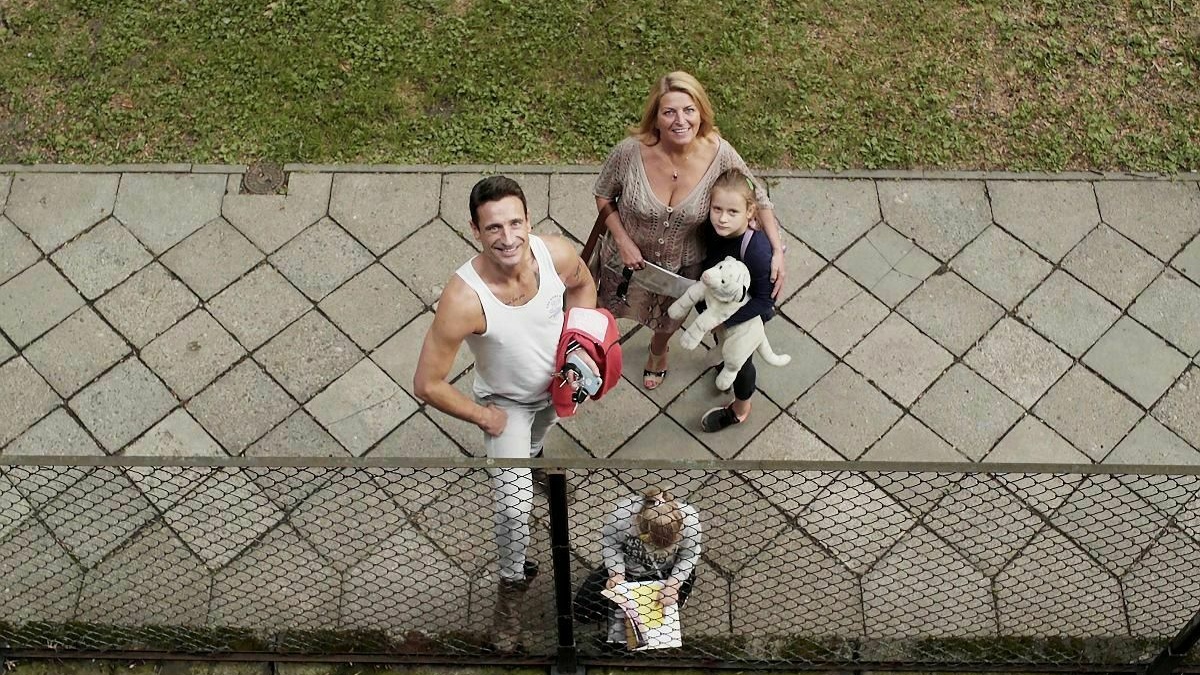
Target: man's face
503	231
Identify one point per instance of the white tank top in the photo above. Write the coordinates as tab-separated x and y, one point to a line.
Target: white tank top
514	357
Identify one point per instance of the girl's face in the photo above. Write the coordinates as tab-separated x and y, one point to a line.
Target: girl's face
730	214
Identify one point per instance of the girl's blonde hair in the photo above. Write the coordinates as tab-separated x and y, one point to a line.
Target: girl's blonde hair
675	81
659	522
736	181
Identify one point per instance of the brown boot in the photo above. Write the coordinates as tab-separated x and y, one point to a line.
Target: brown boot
506	622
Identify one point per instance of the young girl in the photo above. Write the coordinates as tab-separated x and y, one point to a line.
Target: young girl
729	234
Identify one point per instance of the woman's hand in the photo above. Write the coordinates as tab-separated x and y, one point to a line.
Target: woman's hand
614	580
778	274
669	595
631	255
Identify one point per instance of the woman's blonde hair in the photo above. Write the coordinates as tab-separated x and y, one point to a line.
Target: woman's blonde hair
676	81
659	522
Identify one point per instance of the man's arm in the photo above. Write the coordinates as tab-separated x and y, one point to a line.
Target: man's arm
581	289
458	315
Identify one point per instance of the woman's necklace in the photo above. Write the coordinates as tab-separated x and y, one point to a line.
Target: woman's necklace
675	169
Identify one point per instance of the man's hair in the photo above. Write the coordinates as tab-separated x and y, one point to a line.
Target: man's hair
493	189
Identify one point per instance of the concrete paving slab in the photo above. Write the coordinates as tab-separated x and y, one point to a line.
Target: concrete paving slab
1136	361
663	433
856	520
836	311
361	407
97	514
17	252
438	507
212	258
163	209
466	434
801	265
697	400
147	304
101	258
911	441
418	436
7	351
371	307
321	258
35	301
1018	361
593	426
1110	521
684	366
426	260
951	311
1170	306
222	517
810	362
192	353
941	216
1188	260
899	360
76	351
1160	216
241	406
5	184
1161	583
967	411
887	264
785	439
736	528
258	306
571	205
348	519
123	403
984	523
13	508
55	435
271	220
43	579
1180	408
454	203
829	215
380	210
1152	443
846	411
1001	266
1069	314
53	208
398	355
1093	416
308	355
1049	217
1112	265
24	396
1031	441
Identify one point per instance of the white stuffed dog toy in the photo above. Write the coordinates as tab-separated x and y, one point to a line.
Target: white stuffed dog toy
725	289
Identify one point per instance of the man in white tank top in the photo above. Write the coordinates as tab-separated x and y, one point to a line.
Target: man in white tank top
507	304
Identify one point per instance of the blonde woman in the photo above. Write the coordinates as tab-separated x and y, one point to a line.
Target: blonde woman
648	537
660	178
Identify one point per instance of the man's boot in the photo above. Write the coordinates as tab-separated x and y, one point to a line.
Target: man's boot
506	622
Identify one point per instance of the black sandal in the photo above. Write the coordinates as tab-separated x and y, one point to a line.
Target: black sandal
653	379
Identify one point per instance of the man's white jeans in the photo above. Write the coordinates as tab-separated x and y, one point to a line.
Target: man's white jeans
513	488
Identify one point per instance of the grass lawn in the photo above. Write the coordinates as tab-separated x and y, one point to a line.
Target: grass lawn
992	84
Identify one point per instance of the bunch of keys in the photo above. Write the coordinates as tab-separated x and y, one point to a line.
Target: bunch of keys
579	371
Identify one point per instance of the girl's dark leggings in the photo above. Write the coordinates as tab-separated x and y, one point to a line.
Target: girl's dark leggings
744	385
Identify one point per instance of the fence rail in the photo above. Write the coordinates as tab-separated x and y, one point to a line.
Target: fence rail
803	564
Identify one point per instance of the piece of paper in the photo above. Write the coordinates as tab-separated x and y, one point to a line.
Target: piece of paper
649	624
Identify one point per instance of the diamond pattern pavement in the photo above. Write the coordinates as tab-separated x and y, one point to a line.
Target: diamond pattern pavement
1000	320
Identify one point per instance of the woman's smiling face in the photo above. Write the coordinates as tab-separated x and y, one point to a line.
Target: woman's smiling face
678	118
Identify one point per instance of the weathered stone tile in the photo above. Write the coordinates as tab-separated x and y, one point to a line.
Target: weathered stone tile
1048	216
1070	314
154	580
270	220
101	258
846	411
122	404
1108	519
1180	408
685	366
1001	266
737	524
7	351
923	587
1112	265
53	208
371	307
163	209
941	216
571	205
1152	443
425	274
662	432
1135	360
911	441
222	517
13	508
417	437
687	409
258	306
887	264
97	514
1052	588
828	215
898	359
348	519
810	362
42	581
297	436
176	436
16	251
321	258
192	353
382	209
212	258
75	351
1162	586
785	439
147	304
55	435
1018	361
308	355
836	311
466	434
1171	307
24	397
361	407
951	311
241	406
593	424
1188	261
398	356
5	184
436	506
1032	441
456	192
1087	412
1158	215
984	523
34	301
966	410
857	520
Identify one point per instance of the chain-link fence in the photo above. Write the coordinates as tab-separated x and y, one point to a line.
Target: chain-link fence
802	565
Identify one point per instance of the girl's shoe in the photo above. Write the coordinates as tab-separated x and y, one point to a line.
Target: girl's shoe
719	418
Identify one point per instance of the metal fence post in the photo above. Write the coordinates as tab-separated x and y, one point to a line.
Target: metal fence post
560	553
1177	649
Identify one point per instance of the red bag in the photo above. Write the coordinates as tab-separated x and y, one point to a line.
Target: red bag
595	332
